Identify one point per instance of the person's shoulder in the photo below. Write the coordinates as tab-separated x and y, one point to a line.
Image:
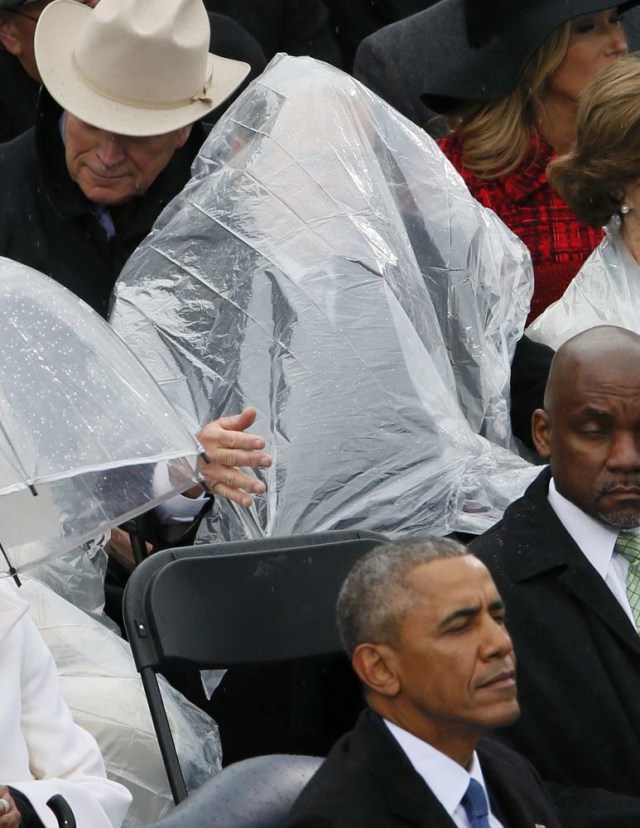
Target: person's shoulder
21	145
342	792
451	147
17	160
480	188
12	607
526	514
229	39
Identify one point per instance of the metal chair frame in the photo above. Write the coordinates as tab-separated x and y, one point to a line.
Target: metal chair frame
241	603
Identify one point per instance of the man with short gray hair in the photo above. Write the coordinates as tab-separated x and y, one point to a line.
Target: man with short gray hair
425	629
375	593
125	88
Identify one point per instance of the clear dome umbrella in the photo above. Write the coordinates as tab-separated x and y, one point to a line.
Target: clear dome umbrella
87	439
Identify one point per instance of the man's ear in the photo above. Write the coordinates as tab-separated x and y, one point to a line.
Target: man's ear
374	666
10	35
541	432
182	136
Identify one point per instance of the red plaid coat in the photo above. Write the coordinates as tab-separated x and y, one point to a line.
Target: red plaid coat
524	200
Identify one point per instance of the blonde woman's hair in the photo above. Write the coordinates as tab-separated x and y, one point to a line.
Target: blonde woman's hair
592	178
496	135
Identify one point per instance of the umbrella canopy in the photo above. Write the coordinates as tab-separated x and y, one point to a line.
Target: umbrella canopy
87	439
328	265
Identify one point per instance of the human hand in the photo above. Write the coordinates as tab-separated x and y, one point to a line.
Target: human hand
10	818
228	448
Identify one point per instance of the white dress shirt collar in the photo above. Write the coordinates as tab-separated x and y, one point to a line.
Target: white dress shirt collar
447	779
595	539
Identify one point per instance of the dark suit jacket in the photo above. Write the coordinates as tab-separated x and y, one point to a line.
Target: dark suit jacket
578	664
390	61
368	782
353	20
298	27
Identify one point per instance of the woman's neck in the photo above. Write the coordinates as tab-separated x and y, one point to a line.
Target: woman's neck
631	234
555	120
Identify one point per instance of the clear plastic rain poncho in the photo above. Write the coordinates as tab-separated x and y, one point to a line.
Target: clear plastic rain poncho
86	437
105	695
327	265
606	291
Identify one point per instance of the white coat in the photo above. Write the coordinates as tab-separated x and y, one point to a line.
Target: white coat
43	751
605	291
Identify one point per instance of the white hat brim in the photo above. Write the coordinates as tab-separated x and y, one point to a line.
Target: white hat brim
59	27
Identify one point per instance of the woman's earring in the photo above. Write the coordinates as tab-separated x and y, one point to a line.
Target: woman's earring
624	208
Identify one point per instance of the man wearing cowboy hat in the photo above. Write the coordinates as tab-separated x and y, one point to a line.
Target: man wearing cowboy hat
21	79
113	145
114	140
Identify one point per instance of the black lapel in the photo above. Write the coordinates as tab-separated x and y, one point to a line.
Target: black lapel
543	545
588	588
405	792
514	800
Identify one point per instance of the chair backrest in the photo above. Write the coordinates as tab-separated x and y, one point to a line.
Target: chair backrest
241	603
254	793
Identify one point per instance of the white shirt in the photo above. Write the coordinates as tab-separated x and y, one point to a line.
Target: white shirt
597	541
447	779
177	509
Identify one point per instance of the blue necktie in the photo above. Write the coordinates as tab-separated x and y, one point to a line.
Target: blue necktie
475	805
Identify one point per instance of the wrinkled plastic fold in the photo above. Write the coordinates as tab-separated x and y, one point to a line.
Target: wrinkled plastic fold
606	291
86	437
105	695
327	265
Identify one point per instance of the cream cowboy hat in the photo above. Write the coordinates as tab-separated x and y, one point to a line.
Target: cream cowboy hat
133	67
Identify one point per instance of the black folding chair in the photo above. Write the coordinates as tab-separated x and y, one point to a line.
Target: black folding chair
242	603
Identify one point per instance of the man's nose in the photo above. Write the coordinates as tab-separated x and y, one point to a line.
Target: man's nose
624	453
497	641
110	151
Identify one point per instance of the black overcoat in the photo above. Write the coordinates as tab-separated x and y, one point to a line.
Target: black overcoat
578	664
47	223
298	27
368	782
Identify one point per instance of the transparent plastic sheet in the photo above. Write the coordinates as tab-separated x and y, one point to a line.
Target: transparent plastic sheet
78	577
104	692
328	265
86	437
606	291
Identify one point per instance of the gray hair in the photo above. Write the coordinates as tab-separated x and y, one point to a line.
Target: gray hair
375	595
